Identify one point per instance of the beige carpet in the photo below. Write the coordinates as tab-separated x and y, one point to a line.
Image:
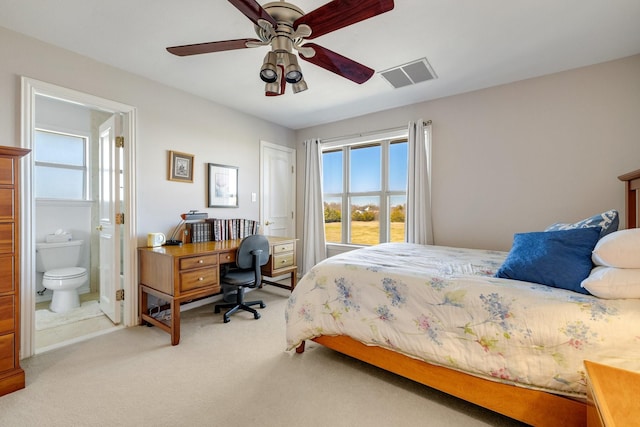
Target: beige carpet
234	374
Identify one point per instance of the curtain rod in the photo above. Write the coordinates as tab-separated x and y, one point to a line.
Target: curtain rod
375	132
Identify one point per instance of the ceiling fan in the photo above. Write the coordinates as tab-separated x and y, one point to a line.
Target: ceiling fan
285	27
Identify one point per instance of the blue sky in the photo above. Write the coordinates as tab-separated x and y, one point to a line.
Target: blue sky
365	169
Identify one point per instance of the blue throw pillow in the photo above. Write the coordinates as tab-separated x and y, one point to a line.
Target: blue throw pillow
607	221
561	259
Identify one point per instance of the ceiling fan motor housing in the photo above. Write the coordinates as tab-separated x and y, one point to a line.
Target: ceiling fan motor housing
282	38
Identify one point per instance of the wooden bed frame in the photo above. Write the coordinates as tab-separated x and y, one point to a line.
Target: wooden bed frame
533	407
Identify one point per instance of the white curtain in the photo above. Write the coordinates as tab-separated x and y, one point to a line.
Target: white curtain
313	249
418	222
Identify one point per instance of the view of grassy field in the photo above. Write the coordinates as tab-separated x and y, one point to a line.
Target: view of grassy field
363	232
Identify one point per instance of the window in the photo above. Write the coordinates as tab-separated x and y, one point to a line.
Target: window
60	165
364	191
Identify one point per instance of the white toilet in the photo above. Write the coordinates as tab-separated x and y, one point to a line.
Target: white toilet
59	263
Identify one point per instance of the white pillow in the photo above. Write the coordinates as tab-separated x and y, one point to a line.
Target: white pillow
619	249
613	283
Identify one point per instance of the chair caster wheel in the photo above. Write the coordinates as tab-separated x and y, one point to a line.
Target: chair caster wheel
227	320
263	305
256	316
216	310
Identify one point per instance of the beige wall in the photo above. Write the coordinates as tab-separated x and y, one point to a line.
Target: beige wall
521	156
167	119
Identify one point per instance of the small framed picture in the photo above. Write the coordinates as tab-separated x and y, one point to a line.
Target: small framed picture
223	186
180	166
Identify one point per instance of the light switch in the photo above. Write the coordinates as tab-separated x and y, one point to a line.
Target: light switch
253	197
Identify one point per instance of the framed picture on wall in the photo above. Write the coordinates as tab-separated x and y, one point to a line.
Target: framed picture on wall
180	166
223	186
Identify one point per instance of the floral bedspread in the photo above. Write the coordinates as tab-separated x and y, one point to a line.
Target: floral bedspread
442	305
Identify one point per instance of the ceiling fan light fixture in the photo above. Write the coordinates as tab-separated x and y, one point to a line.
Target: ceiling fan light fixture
299	86
268	74
293	73
276	87
269	70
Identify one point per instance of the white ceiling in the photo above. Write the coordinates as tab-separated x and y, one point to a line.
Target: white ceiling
470	44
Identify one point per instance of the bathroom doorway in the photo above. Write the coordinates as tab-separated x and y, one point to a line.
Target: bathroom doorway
50	108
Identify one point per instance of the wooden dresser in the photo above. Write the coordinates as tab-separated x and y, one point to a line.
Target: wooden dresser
11	374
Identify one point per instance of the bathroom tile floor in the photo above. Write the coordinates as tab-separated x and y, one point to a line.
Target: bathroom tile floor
48	339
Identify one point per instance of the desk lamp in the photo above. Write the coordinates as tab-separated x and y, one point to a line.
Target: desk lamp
191	216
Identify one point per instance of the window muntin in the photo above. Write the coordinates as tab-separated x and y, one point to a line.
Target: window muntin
377	172
60	165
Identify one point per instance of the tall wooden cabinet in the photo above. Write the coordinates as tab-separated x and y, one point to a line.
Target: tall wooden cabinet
11	374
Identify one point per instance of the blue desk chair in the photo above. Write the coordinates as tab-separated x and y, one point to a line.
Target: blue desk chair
252	254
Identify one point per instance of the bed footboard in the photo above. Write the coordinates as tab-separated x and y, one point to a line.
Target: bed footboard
529	406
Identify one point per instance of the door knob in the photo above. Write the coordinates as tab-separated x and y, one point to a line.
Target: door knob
268	223
99	228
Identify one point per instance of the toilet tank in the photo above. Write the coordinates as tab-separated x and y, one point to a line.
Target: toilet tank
57	255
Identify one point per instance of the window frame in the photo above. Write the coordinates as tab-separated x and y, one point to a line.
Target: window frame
384	140
86	138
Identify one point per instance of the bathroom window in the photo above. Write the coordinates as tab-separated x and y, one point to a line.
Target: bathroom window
60	165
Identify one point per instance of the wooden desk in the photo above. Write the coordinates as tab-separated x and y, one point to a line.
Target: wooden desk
612	396
177	274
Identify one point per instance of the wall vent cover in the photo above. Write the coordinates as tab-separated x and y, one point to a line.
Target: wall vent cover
409	74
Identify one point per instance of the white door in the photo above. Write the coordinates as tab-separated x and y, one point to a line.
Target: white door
278	182
108	206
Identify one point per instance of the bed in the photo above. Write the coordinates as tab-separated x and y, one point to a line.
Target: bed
439	316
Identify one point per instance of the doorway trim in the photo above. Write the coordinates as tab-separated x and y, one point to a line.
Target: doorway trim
29	89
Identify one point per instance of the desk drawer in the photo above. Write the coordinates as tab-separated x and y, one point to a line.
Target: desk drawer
283	247
227	257
198	261
201	278
282	260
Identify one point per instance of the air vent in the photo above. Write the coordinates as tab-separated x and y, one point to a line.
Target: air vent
409	74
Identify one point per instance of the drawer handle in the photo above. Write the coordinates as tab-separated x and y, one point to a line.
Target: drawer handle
200	279
200	261
228	256
283	261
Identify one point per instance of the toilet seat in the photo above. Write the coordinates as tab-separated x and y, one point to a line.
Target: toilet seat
64	282
65	273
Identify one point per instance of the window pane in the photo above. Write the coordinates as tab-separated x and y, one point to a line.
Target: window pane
332	172
397	209
58	183
365	225
59	148
365	169
398	162
333	219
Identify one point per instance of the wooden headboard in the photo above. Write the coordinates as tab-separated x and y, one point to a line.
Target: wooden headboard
631	197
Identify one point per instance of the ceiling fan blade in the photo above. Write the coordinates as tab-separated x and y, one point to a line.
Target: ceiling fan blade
336	63
341	13
252	10
198	48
